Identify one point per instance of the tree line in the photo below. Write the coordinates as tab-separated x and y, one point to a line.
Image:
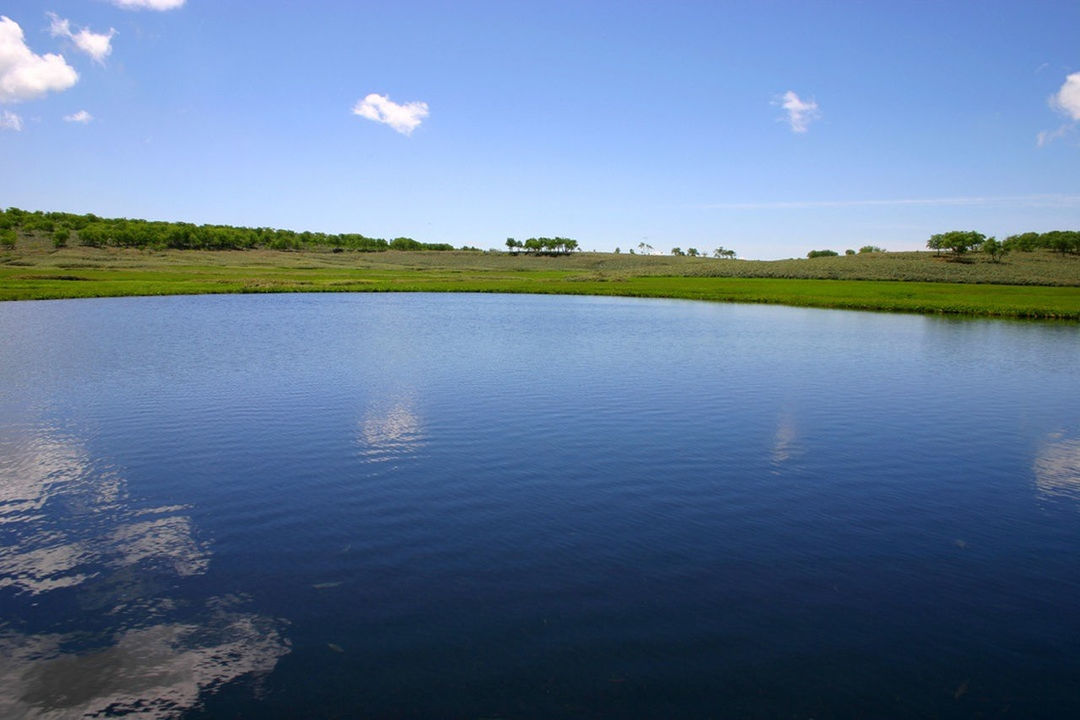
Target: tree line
542	245
94	231
960	242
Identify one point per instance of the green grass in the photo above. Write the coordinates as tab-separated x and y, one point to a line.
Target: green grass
1034	285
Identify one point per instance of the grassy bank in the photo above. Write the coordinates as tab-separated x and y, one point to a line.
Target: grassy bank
1037	285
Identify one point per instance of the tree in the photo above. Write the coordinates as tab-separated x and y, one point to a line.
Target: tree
956	241
617	251
821	253
1061	241
849	251
723	253
1025	242
692	252
513	245
994	249
61	237
645	247
405	243
7	239
677	251
870	249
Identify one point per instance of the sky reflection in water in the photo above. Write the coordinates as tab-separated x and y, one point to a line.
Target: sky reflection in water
68	524
534	507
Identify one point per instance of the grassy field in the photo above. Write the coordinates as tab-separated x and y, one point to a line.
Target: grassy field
1034	285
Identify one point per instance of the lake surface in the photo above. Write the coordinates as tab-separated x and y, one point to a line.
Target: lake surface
483	506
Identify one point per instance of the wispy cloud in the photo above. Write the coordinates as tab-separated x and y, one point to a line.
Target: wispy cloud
96	45
1067	102
148	4
25	75
403	118
10	121
82	117
1013	200
1045	137
800	113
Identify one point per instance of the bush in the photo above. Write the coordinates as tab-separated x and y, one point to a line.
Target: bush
821	253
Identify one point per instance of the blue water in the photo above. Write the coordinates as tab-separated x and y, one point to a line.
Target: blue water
482	506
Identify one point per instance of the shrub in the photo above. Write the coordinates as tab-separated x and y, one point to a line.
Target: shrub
821	253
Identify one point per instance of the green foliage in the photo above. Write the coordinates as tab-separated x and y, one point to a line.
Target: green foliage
94	231
849	251
821	253
7	239
870	249
723	253
1060	241
994	249
677	251
61	237
550	246
692	252
1024	242
956	241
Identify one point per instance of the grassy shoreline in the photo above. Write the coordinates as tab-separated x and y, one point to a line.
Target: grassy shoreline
1040	286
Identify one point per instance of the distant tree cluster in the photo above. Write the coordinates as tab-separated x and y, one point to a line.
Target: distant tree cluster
1061	241
821	253
960	242
542	245
94	231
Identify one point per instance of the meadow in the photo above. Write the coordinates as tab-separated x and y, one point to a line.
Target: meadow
1038	284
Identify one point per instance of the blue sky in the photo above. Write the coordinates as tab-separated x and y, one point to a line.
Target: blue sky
771	128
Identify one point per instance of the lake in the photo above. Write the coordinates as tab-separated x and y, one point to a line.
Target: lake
490	506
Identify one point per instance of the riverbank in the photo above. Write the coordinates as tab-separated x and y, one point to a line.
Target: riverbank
1026	285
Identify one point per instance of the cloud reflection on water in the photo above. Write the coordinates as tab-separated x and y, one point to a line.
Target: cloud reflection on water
1057	467
121	643
389	431
786	440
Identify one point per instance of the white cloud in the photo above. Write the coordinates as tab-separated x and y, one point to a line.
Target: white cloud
403	118
10	121
82	117
148	4
25	75
800	113
96	45
1067	102
1067	99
